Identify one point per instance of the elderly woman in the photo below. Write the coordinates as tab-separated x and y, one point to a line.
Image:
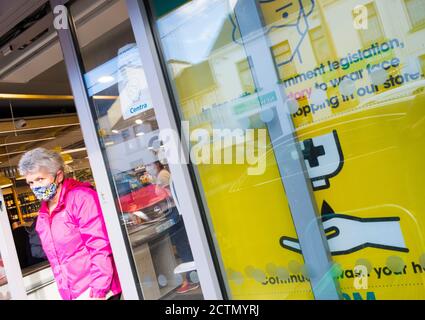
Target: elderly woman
71	229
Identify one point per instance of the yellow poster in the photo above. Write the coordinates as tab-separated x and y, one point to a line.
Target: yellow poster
357	101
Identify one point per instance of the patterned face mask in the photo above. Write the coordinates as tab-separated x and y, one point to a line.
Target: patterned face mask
45	193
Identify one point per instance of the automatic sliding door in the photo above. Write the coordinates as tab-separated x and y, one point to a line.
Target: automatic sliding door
248	163
343	81
138	172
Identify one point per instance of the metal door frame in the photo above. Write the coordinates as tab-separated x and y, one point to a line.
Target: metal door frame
14	277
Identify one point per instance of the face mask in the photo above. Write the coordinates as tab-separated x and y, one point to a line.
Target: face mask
45	193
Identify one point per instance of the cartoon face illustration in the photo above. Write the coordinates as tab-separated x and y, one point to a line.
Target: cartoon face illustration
286	13
292	14
279	14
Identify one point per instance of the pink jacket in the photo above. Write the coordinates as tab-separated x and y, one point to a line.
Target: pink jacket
76	243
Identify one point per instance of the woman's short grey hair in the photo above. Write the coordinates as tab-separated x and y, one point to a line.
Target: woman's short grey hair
40	159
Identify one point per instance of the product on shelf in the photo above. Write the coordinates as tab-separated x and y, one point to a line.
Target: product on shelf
27	202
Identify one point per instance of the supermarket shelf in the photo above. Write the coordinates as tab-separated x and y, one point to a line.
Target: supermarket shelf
29	203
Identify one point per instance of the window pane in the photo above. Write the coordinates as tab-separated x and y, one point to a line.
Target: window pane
242	208
245	76
422	63
283	59
416	10
374	32
320	44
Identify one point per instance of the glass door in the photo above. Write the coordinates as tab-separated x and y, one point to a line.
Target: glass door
247	159
324	93
127	130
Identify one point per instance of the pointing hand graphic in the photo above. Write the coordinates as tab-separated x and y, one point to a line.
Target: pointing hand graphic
347	234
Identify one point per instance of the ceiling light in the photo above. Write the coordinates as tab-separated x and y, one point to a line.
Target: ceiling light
12	153
140	134
21	123
73	150
40	128
105	79
138	121
67	159
115	131
5	182
26	141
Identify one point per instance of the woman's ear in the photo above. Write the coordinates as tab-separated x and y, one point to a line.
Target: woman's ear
60	176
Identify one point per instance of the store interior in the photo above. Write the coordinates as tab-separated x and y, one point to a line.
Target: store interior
38	113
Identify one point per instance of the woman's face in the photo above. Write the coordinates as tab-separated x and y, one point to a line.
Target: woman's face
42	178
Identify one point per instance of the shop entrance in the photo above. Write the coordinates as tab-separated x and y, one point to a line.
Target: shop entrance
39	113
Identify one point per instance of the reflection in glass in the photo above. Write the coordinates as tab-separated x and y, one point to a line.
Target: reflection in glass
4	291
216	88
129	133
355	97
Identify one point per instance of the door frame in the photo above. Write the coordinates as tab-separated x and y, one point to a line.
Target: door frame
14	277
